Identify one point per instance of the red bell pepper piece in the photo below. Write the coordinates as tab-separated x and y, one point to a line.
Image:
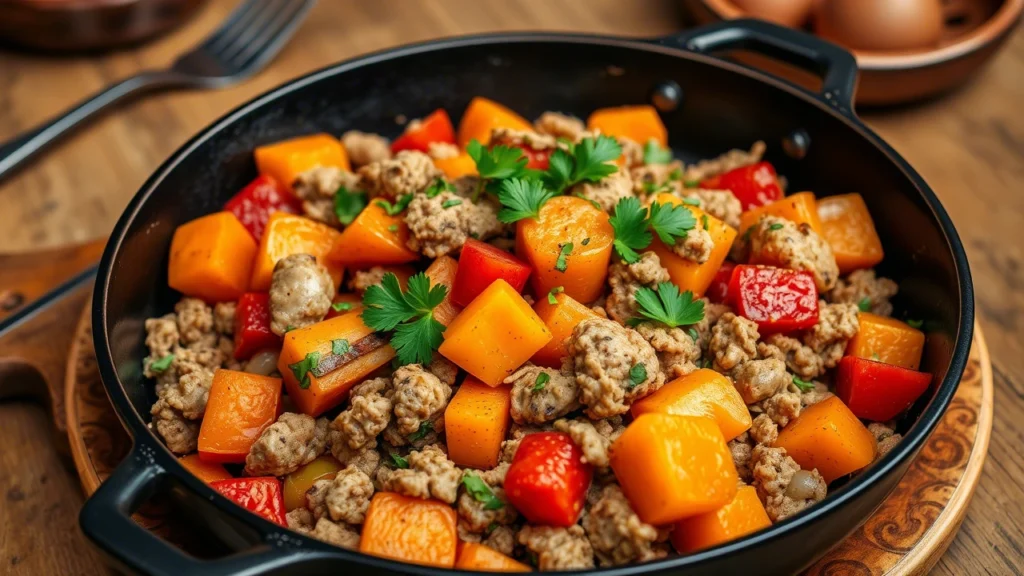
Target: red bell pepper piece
754	185
718	290
481	264
257	201
252	325
547	481
420	135
877	391
779	300
262	496
536	159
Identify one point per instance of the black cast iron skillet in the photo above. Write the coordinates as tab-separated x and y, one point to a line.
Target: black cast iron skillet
709	106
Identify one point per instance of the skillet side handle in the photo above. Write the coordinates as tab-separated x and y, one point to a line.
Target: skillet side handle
836	67
106	520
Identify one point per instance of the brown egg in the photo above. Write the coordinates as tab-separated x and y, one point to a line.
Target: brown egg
880	24
792	13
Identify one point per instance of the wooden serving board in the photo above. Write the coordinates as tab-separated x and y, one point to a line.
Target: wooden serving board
906	535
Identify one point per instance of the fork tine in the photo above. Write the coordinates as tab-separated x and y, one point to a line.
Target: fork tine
236	23
272	37
267	12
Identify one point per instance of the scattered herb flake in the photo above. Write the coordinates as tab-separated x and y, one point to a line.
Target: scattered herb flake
439	185
341	306
162	364
915	323
655	154
449	203
776	226
592	202
586	241
865	304
668	306
692	201
340	346
399	460
492	527
563	255
704	221
876	357
637	374
691	183
542	379
555	291
694	335
396	208
481	492
393	228
302	368
348	205
675	175
425	428
803	385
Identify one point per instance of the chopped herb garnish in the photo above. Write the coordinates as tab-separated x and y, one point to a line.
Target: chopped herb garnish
637	374
449	203
409	314
775	226
704	221
341	306
803	385
630	225
691	183
426	427
692	201
399	460
496	163
705	363
439	185
654	187
563	254
586	241
396	208
289	328
694	335
875	356
676	174
393	228
162	364
668	306
671	221
587	161
521	199
340	346
746	234
865	304
542	379
492	527
915	323
655	154
302	368
481	492
553	292
348	205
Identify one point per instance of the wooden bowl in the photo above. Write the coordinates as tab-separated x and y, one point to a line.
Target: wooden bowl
84	25
974	30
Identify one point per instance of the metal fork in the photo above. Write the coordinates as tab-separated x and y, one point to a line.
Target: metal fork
253	34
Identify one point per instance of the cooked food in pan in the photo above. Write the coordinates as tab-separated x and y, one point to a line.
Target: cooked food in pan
515	345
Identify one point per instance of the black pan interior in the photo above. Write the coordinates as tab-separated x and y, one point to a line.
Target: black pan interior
719	110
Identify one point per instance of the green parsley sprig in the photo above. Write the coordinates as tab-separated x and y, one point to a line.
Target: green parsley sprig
348	205
586	161
410	314
671	221
495	164
303	368
631	223
521	199
396	208
161	364
668	306
655	154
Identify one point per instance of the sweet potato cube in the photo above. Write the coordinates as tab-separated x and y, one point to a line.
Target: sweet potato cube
638	123
687	274
481	558
288	234
482	116
239	409
561	319
475	423
850	231
457	166
799	208
673	467
284	161
315	377
495	334
211	258
887	340
410	530
829	437
743	515
701	393
373	238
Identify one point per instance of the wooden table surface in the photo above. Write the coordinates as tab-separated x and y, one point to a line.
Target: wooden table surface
968	145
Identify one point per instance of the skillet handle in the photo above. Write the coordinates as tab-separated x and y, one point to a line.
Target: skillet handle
106	519
836	67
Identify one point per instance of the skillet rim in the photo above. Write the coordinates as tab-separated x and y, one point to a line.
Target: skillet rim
852	490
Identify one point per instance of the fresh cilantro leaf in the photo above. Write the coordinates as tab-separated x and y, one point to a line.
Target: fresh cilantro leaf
415	342
704	221
399	460
775	226
655	154
426	427
637	374
422	296
630	225
348	205
340	346
341	306
559	172
671	221
439	185
410	315
676	174
592	156
803	385
915	323
691	201
393	228
865	304
561	263
481	492
449	203
694	335
586	241
668	306
385	305
521	199
162	364
396	208
554	291
302	368
497	163
542	379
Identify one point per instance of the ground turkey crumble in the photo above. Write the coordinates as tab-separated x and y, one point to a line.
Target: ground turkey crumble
367	415
795	246
837	324
864	286
604	354
418	396
409	172
366	459
886	437
757	380
441	225
721	204
617	535
632	152
345	498
365	148
625	279
733	342
607	191
558	548
678	352
782	486
474	518
430	475
560	126
317	187
593	437
301	292
695	246
535	402
523	138
729	161
293	441
652	178
363	279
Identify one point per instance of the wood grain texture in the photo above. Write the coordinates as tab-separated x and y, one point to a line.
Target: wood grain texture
968	145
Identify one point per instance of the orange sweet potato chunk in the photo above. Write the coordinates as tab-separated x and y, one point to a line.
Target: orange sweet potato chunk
211	258
456	166
799	208
410	530
638	123
311	347
373	238
887	340
850	231
701	393
673	467
481	558
475	423
205	471
561	319
743	515
284	161
829	437
482	116
687	274
288	234
239	409
495	334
